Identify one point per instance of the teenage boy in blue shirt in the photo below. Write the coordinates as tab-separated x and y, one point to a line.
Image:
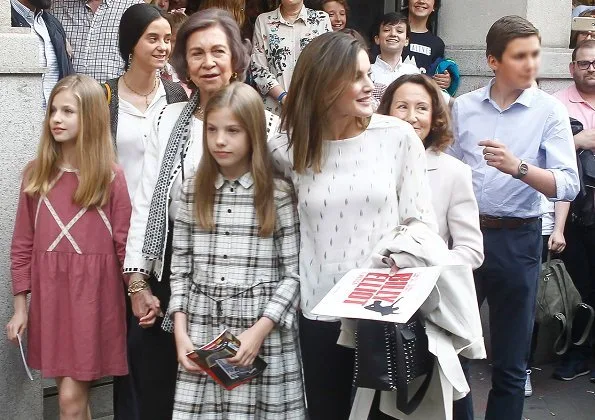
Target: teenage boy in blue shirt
518	142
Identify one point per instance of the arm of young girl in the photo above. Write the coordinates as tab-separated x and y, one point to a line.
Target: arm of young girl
182	252
18	322
183	343
282	308
20	259
120	210
252	340
181	275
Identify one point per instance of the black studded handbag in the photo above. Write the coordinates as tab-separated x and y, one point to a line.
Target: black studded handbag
389	356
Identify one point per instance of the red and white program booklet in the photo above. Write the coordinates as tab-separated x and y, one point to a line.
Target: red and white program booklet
377	295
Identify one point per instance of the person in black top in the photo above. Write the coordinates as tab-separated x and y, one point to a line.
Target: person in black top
424	47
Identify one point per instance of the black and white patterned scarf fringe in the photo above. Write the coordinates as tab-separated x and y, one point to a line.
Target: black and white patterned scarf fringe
155	234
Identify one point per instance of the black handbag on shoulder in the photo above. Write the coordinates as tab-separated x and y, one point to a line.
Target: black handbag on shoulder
389	356
582	208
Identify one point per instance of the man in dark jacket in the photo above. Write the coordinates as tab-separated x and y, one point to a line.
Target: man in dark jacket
53	46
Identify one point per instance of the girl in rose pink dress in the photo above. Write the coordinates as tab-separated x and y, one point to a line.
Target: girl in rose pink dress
68	247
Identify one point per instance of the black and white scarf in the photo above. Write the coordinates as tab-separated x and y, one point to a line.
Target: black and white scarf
155	234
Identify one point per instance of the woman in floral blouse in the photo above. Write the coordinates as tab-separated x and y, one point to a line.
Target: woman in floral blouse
279	38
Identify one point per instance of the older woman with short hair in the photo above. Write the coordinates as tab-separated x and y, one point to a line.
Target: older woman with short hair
209	54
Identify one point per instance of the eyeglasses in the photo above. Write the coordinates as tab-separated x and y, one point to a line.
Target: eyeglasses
584	64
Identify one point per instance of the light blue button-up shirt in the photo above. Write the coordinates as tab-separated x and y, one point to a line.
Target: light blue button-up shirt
535	128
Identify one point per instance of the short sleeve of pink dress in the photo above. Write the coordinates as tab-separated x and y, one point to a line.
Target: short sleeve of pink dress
70	259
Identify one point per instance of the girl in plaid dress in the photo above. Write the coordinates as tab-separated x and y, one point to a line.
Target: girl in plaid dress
235	265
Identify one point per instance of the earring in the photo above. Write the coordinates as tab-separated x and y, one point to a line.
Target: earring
129	59
234	77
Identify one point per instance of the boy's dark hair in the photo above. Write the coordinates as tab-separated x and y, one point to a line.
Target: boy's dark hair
587	43
505	30
392	18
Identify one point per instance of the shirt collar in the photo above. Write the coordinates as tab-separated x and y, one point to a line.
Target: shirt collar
24	11
303	15
574	96
245	180
525	99
383	64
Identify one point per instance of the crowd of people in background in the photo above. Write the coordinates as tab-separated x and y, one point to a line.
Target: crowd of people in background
221	164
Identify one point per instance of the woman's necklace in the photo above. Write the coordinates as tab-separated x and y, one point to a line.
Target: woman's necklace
146	96
199	113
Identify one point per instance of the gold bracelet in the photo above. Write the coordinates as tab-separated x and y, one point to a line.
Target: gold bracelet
137	286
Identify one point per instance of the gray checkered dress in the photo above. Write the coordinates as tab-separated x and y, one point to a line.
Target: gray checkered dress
229	278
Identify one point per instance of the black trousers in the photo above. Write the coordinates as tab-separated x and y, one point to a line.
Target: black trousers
579	259
153	362
124	394
328	370
508	280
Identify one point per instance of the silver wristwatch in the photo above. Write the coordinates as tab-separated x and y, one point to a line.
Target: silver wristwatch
522	170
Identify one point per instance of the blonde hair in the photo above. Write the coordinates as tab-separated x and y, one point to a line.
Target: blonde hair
235	7
94	148
326	67
247	107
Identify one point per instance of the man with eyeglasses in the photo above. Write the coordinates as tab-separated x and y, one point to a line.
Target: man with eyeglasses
579	255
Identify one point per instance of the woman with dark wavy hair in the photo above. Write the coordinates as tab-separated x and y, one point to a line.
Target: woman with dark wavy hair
417	99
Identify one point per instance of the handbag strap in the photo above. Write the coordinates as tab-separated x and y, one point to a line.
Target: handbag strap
587	331
562	343
404	404
563	340
407	406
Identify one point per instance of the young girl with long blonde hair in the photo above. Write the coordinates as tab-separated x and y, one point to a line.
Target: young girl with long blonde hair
234	266
68	247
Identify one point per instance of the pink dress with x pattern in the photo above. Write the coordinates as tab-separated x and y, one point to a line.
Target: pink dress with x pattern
70	259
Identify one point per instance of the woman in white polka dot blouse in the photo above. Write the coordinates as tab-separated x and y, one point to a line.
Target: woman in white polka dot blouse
357	176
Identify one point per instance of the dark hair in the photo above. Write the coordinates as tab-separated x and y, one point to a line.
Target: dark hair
341	2
440	135
208	18
587	43
392	18
133	24
506	30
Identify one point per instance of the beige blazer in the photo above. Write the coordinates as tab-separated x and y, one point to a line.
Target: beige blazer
456	208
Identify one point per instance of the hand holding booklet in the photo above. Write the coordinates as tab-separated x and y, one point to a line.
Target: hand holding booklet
375	294
23	358
212	358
